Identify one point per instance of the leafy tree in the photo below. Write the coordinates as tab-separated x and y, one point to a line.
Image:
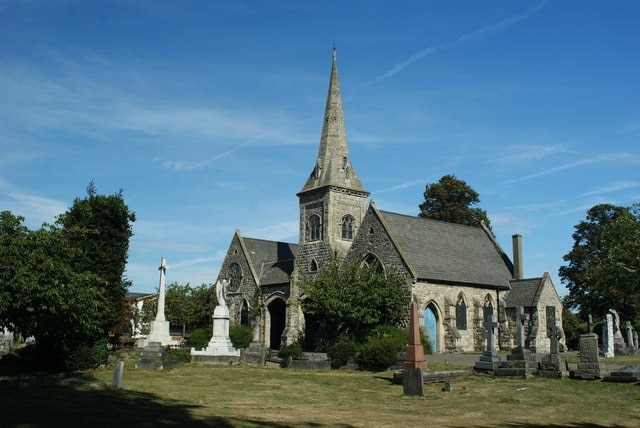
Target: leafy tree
353	299
63	283
451	200
603	270
43	296
99	228
186	306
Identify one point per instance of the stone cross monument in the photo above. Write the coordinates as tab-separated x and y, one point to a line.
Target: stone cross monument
553	365
489	360
159	331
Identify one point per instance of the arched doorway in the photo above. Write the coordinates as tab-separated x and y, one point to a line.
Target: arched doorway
277	311
431	326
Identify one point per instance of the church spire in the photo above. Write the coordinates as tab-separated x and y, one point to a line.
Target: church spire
333	167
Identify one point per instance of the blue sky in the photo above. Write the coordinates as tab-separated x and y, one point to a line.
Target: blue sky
208	114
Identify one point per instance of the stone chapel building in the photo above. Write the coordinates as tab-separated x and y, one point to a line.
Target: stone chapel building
457	274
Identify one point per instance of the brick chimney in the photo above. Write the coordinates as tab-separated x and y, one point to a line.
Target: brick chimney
517	257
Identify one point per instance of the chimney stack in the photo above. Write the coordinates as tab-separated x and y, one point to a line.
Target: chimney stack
517	257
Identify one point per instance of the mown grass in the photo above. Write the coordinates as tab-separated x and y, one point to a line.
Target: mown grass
240	396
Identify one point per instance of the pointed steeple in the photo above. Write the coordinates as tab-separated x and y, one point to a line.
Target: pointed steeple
333	166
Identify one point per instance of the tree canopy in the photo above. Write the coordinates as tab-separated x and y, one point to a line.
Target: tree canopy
63	283
187	306
603	270
354	299
452	200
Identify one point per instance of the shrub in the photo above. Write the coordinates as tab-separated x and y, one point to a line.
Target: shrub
378	354
200	337
175	356
292	350
342	351
241	336
88	356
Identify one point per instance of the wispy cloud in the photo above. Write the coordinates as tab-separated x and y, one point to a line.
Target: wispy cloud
528	153
35	209
575	164
613	187
475	35
398	186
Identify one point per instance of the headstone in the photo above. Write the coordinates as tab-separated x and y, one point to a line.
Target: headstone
607	336
619	345
412	381
489	360
151	357
415	352
635	339
625	374
255	354
117	374
629	328
220	349
589	366
553	365
521	362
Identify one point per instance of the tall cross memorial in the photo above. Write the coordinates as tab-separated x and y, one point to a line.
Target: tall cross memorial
489	360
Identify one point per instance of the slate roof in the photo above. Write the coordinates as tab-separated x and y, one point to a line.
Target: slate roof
524	292
449	252
272	261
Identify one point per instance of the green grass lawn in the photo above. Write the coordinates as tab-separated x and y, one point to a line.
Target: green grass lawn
240	396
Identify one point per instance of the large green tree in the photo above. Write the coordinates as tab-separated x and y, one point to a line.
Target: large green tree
99	228
452	200
57	284
354	299
603	270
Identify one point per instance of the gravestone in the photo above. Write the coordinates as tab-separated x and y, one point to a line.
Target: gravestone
415	352
412	381
151	357
554	365
489	360
220	349
625	374
589	366
414	362
521	362
619	345
256	353
117	374
607	336
630	345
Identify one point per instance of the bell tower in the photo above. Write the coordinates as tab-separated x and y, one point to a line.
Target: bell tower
333	200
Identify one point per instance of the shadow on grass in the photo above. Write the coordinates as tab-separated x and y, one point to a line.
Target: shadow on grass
540	425
81	401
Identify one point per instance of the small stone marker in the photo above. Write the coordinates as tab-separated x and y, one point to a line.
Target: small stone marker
412	381
117	374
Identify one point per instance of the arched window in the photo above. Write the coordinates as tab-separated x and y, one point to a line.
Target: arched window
347	227
461	313
235	275
372	262
488	308
314	228
313	266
